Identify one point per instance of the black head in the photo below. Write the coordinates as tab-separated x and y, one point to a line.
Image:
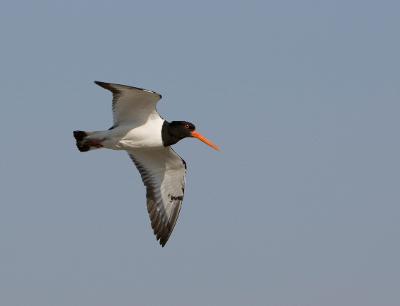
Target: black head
182	126
174	131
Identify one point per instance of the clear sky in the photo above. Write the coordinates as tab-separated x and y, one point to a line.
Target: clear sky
301	208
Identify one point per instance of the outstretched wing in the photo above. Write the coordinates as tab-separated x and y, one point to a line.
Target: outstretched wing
163	173
131	104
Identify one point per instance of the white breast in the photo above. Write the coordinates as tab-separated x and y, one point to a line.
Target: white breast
147	135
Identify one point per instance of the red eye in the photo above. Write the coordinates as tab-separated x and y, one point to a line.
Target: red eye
187	126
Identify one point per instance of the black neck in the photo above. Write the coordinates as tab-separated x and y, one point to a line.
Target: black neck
167	137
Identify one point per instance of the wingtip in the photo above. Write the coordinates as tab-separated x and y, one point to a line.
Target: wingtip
113	87
163	240
107	86
102	84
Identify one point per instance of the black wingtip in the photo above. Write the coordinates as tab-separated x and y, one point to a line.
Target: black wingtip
164	239
113	89
107	86
103	84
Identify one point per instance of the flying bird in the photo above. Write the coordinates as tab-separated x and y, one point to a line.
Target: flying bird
147	138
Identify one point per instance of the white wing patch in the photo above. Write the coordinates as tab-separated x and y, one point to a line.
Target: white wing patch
163	173
131	105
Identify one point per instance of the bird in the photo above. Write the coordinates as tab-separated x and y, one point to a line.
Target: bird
139	129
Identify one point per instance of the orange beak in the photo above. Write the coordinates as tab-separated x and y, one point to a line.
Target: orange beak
205	140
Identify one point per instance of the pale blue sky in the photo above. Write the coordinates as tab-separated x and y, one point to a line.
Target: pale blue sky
300	209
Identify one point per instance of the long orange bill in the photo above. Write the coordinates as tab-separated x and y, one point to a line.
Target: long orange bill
205	140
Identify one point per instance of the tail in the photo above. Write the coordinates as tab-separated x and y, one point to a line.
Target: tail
82	145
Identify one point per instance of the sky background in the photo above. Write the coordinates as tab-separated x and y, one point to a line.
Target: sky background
301	208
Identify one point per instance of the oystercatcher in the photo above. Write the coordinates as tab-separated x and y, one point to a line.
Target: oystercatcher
147	138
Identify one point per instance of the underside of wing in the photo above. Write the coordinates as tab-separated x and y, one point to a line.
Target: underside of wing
163	173
131	104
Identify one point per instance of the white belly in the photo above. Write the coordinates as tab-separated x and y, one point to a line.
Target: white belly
144	136
127	137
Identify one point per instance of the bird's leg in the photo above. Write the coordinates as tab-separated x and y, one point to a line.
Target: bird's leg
95	143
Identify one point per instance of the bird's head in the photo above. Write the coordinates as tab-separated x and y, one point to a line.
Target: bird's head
177	130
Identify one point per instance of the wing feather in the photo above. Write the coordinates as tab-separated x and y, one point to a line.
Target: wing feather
163	173
131	104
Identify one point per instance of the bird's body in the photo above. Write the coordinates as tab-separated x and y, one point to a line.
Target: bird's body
139	130
130	136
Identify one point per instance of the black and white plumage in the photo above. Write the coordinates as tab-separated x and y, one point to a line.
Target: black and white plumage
139	129
165	187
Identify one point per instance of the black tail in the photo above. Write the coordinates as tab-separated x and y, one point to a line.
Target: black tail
80	143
